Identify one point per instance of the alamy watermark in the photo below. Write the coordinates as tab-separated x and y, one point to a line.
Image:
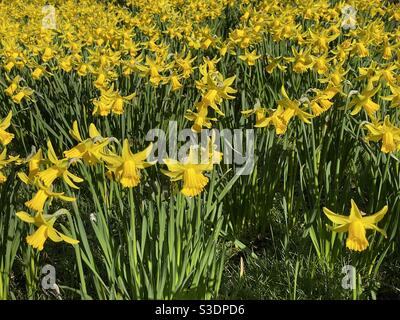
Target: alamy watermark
48	282
349	17
49	20
236	146
349	280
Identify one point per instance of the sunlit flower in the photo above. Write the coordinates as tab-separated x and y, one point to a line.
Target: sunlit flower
250	57
42	195
23	93
200	117
356	225
291	108
385	131
190	170
89	149
5	162
34	160
126	168
58	168
364	101
6	137
45	225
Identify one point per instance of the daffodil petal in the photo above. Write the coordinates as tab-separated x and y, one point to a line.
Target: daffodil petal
53	235
376	217
335	218
341	228
355	212
142	155
67	239
25	217
374	227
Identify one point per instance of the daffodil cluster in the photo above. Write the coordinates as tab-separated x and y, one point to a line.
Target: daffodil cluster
5	138
199	50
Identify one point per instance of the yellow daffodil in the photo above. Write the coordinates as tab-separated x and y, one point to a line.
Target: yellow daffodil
45	225
262	120
211	151
394	98
302	60
374	73
259	112
6	137
275	118
59	168
190	170
364	101
126	168
242	37
216	89
356	225
104	104
40	71
47	54
42	195
103	76
250	57
34	161
130	66
335	77
12	88
82	69
185	64
386	74
66	63
153	68
88	150
4	162
200	117
387	132
320	41
274	63
175	84
360	48
23	93
119	103
322	101
292	108
387	52
321	64
110	101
